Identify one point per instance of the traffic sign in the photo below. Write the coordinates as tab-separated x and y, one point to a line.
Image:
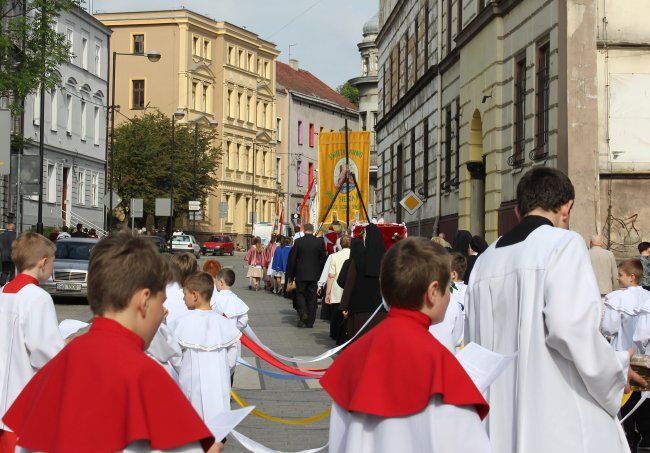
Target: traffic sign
137	207
194	205
163	207
116	200
411	202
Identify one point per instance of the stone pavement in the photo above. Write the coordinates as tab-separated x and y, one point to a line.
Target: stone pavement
274	321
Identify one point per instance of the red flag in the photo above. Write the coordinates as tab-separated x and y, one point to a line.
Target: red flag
330	241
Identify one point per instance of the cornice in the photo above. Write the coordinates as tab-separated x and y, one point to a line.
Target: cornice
496	8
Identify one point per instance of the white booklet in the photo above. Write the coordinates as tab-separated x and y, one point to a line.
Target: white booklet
222	424
69	327
483	365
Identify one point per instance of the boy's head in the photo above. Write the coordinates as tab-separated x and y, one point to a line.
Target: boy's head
547	189
197	290
212	267
346	241
644	248
183	265
34	254
225	278
630	273
415	275
127	277
458	266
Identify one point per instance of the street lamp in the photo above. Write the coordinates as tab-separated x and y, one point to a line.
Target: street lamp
153	56
177	114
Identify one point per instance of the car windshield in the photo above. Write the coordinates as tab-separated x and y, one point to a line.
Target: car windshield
217	239
70	250
181	238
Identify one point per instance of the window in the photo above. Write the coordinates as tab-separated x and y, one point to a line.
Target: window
426	35
278	169
51	183
250	159
363	116
311	134
98	59
240	59
250	109
267	72
96	123
81	187
54	110
84	53
206	50
300	132
399	183
413	159
311	173
425	155
204	104
448	12
137	96
278	128
240	106
94	189
542	98
448	150
299	173
69	36
195	45
193	100
228	106
231	55
84	121
68	108
242	157
519	112
364	66
251	62
138	44
457	144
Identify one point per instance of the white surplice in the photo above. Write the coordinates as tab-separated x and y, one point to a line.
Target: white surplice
227	303
540	297
209	345
621	315
439	428
165	349
174	303
449	331
29	338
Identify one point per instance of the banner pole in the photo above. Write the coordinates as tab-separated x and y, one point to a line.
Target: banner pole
347	176
363	205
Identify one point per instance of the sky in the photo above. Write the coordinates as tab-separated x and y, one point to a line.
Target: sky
323	34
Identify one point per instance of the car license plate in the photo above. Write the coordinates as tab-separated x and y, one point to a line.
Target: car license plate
68	286
208	250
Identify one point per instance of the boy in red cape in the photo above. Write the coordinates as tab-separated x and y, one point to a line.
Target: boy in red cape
397	388
101	393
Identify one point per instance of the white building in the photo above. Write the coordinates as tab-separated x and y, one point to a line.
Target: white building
74	134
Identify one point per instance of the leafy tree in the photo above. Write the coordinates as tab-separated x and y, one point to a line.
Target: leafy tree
30	48
350	92
142	162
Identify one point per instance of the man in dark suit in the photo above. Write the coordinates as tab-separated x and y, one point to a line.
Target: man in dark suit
306	263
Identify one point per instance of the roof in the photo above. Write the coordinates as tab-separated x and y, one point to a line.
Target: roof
305	82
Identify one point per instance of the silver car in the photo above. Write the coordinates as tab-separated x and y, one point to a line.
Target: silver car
70	275
185	243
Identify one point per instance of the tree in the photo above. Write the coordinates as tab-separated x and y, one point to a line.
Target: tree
350	92
142	162
30	48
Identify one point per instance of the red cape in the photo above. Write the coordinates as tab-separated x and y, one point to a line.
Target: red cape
100	393
395	369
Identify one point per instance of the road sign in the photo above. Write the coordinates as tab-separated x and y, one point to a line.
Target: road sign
411	202
137	208
116	200
223	210
194	205
195	215
163	207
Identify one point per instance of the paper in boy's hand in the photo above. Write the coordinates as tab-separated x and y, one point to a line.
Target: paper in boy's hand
483	365
69	327
220	425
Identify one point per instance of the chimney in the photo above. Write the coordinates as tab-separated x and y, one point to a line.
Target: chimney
294	64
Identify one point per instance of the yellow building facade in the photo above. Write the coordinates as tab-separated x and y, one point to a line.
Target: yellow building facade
220	76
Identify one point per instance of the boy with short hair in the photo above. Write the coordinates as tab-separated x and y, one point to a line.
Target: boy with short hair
397	388
101	392
227	303
449	332
209	345
182	265
29	332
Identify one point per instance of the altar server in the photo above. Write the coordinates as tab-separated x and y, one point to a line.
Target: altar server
534	292
449	331
29	332
397	388
209	344
227	303
101	393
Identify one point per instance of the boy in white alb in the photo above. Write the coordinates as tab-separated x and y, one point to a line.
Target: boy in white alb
227	303
209	345
449	331
182	266
397	389
29	332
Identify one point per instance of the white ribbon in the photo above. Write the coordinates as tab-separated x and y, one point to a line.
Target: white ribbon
249	332
644	396
251	445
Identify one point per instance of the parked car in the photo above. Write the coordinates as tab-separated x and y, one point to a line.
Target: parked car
185	243
218	245
70	275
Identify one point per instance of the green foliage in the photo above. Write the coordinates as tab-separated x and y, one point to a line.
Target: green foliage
142	162
30	48
350	92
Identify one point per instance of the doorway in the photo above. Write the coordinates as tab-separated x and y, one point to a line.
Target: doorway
66	197
476	168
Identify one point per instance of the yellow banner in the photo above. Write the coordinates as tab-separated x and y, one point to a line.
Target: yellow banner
332	174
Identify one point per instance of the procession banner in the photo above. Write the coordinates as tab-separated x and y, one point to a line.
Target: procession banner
333	173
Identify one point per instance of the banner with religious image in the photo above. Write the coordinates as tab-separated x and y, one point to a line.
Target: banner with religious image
334	174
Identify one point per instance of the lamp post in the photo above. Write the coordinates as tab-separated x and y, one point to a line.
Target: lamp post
153	56
177	114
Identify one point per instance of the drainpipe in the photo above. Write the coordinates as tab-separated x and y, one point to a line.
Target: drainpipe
439	145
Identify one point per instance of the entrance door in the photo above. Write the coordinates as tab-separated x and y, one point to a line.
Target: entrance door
66	197
476	168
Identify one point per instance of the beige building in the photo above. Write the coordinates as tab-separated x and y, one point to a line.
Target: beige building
219	75
473	93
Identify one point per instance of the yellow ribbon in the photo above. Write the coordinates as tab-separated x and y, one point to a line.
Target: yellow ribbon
626	396
298	421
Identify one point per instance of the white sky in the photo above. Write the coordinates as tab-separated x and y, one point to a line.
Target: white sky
326	32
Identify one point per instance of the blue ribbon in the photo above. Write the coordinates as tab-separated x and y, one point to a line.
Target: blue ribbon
273	374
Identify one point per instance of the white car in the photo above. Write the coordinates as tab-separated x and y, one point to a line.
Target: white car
185	243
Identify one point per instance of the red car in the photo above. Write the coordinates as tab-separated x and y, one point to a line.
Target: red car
218	245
